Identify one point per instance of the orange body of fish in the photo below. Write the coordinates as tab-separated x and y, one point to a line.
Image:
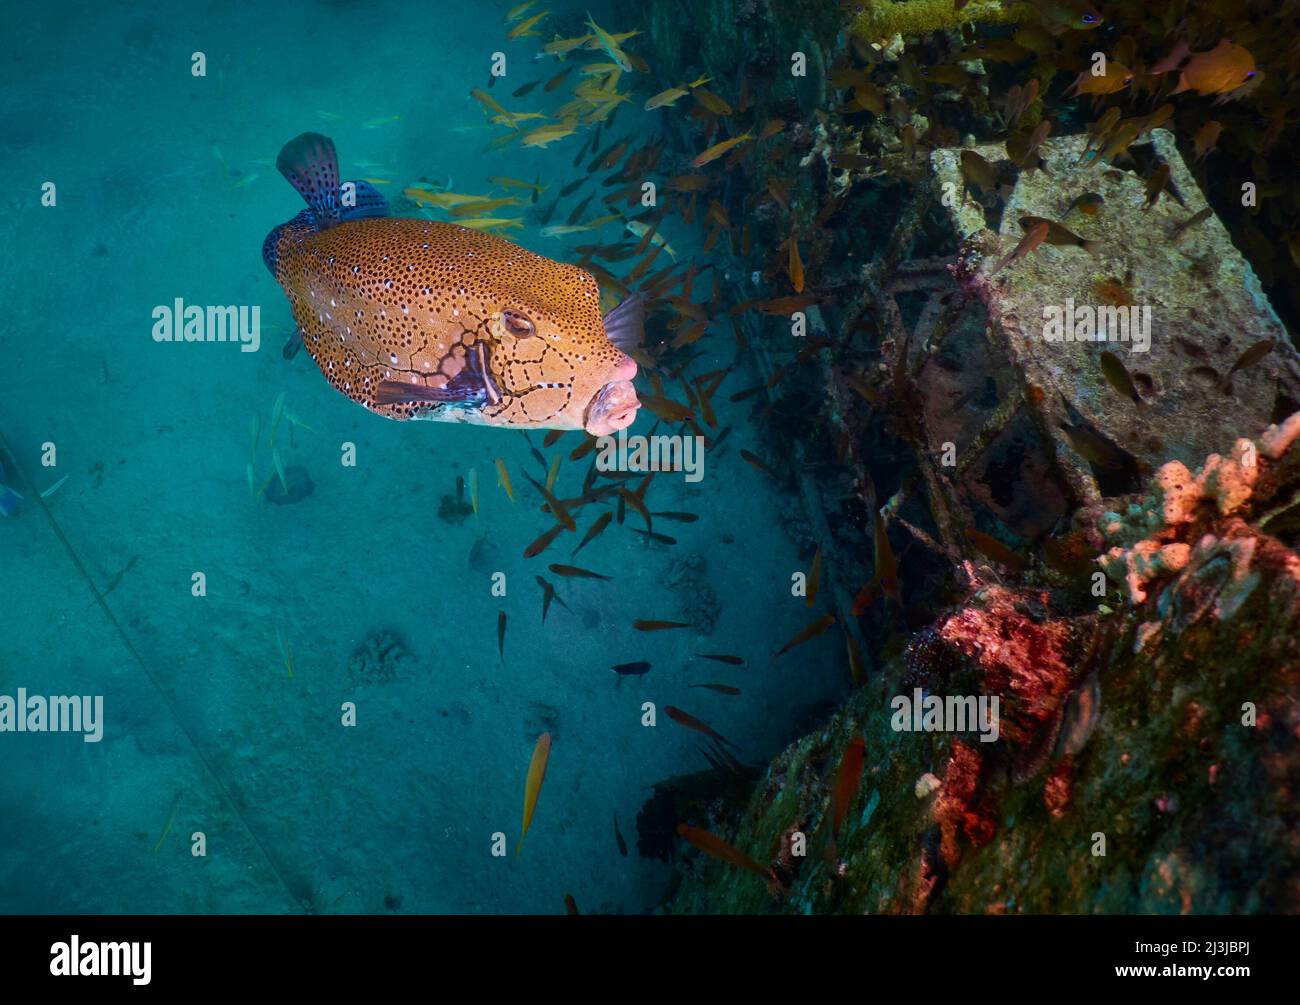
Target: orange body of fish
418	319
1224	68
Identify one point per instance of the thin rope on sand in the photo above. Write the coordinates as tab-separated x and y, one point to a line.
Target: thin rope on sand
167	700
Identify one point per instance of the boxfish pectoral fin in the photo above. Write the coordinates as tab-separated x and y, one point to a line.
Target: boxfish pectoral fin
625	324
293	344
395	392
9	501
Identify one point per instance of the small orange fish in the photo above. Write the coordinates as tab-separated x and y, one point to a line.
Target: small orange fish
847	779
718	149
1224	68
711	101
811	632
1206	138
575	572
1089	203
1058	235
543	542
690	722
1155	185
1120	140
548	594
601	523
557	508
687	183
715	847
1117	375
814	579
557	80
975	170
533	786
1248	359
992	548
1190	222
857	672
1156	119
886	565
726	689
657	626
1019	100
753	461
1115	78
1036	236
666	409
635	502
795	266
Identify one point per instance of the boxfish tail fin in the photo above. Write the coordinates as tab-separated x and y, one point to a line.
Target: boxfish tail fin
625	324
311	165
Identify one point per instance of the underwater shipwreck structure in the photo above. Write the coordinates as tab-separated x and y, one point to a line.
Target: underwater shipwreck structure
1013	495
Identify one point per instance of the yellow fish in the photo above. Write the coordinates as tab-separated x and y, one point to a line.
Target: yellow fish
561	229
666	97
493	223
562	46
507	182
544	135
533	786
490	103
609	43
525	28
512	117
718	149
503	479
480	206
440	199
419	319
639	229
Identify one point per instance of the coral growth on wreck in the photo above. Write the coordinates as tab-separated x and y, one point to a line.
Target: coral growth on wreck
1136	744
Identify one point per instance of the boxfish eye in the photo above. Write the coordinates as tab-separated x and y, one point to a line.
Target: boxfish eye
518	325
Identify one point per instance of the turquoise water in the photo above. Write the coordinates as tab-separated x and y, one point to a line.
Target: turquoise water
165	186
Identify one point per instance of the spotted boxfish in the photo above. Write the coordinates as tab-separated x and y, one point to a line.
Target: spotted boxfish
419	319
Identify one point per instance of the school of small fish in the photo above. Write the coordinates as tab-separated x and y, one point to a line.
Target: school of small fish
436	315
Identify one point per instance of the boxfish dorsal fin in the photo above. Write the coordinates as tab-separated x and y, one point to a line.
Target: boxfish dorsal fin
311	165
367	202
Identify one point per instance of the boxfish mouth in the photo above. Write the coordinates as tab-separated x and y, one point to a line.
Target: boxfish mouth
613	408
